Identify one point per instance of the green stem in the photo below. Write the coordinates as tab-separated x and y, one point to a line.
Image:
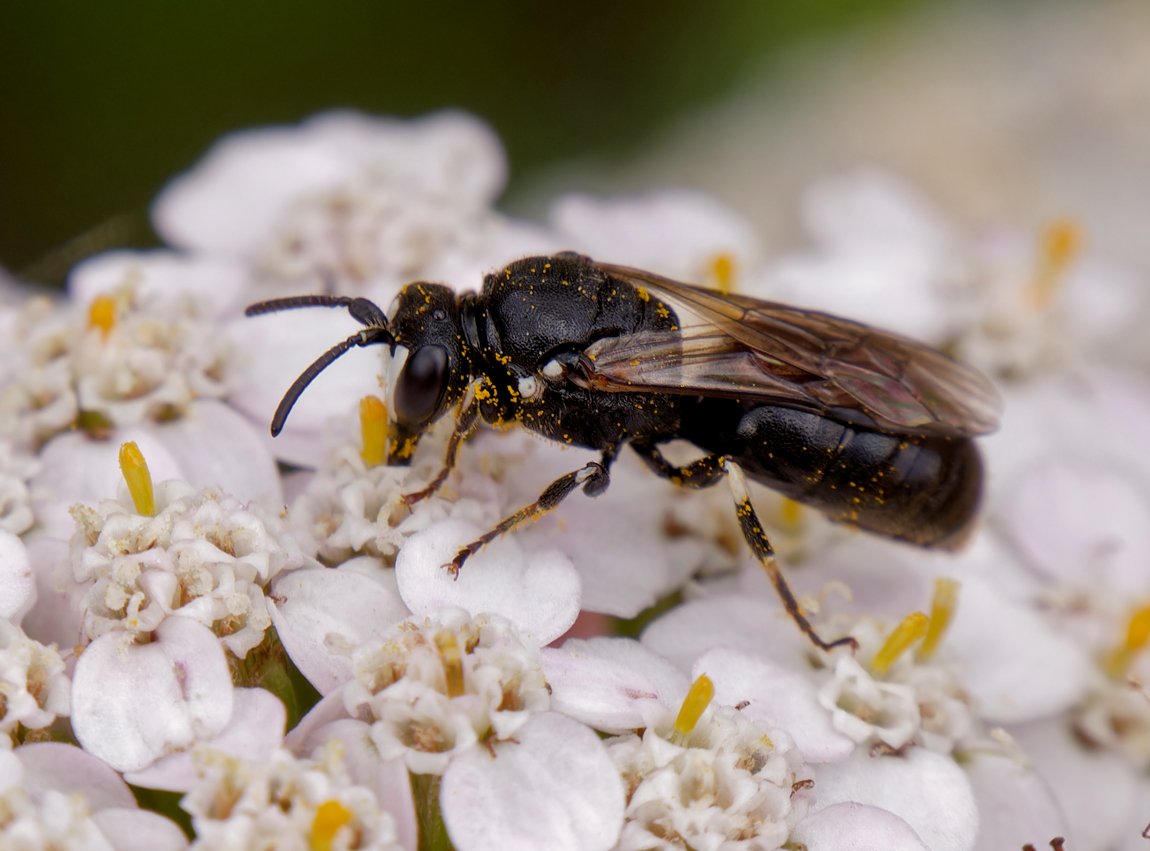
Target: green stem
432	831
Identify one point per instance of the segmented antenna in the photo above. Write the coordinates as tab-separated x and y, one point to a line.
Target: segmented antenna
365	312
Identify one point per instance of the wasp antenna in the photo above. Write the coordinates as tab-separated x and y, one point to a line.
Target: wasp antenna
363	338
362	310
296	301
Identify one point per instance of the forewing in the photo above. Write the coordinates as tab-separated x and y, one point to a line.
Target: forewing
740	347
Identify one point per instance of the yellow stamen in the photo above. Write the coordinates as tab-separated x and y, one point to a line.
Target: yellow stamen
373	430
1136	638
102	314
698	698
942	608
330	816
135	470
792	515
912	628
723	272
1060	245
452	657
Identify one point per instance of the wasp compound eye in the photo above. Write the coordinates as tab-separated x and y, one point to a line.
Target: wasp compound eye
421	385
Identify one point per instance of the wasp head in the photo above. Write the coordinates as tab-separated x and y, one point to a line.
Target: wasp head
431	357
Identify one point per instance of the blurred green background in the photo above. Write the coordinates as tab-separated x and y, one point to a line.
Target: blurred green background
103	102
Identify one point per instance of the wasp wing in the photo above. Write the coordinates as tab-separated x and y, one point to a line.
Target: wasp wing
744	348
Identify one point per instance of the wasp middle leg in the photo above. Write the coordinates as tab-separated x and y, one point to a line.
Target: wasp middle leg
593	478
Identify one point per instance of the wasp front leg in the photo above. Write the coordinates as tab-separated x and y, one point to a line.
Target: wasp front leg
466	416
593	478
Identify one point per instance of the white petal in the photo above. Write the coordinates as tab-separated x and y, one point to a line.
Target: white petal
1097	789
254	731
778	696
928	791
678	233
321	614
758	628
390	780
17	584
1018	666
75	468
217	447
554	787
140	830
1015	806
1065	514
66	768
538	591
279	347
606	682
212	282
133	703
856	827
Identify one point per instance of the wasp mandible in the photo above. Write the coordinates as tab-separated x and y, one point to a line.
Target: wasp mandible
870	428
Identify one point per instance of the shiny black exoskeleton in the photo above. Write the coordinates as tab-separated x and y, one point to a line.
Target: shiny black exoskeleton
869	428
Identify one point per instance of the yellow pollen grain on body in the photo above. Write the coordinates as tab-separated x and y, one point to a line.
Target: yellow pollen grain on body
330	816
1137	637
912	628
373	430
1059	246
699	697
138	478
102	314
722	272
942	608
451	655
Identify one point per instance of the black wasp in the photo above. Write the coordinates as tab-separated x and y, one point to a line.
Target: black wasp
870	428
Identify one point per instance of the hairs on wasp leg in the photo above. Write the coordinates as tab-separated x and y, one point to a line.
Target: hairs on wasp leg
870	428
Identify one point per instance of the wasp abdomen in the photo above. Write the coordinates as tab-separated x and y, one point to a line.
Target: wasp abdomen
924	490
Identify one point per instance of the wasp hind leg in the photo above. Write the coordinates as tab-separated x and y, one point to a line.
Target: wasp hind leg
761	547
704	472
593	478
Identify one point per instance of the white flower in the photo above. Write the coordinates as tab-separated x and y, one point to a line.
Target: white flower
441	687
727	783
285	802
34	690
881	255
16	469
56	796
133	357
366	202
684	235
203	555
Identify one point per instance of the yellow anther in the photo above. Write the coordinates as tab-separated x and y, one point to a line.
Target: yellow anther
1136	638
102	314
942	608
698	698
373	430
450	654
722	271
330	816
1060	245
902	637
791	515
135	470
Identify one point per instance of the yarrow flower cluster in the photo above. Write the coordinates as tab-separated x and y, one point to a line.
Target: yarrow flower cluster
267	628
